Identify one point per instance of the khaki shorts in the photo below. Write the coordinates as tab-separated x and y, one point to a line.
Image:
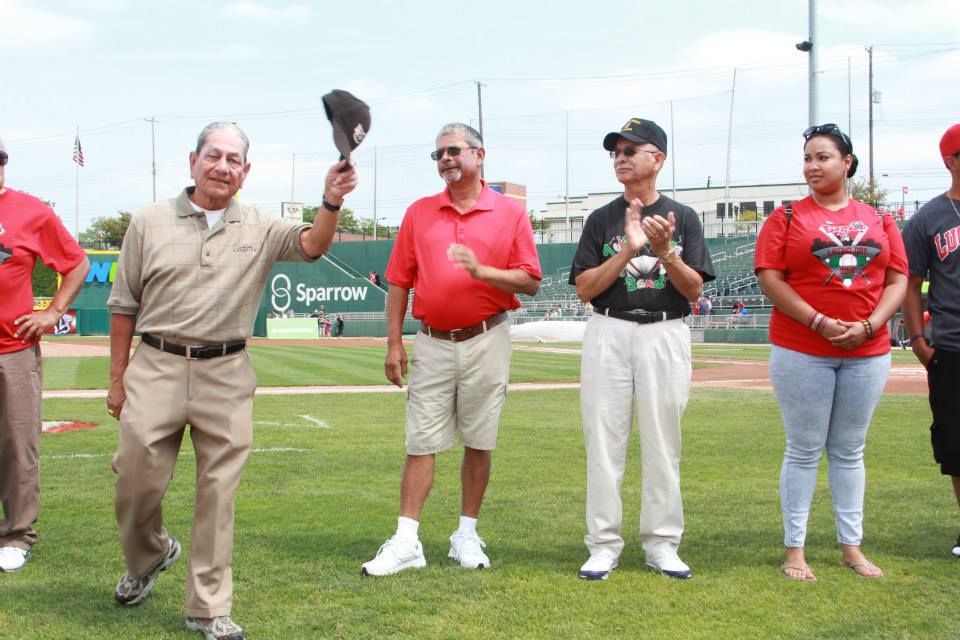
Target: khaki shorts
457	387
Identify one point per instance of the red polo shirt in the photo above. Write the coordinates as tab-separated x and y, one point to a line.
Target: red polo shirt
29	229
498	231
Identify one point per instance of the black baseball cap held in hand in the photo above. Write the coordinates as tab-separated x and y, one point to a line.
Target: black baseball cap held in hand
638	130
350	118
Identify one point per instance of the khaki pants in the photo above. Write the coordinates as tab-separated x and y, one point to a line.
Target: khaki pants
164	393
20	426
645	367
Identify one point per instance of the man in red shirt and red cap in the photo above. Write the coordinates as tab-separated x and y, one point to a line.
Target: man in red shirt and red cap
29	229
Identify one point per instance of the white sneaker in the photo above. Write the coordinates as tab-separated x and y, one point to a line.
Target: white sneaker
467	549
13	558
395	555
666	561
598	567
219	628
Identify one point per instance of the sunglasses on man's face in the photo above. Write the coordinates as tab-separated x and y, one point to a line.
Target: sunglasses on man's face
450	151
630	151
3	158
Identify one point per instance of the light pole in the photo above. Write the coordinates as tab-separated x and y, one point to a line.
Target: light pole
808	46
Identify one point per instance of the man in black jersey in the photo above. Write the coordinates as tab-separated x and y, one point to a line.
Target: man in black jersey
642	260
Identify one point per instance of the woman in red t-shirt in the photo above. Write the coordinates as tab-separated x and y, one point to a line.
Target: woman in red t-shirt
836	271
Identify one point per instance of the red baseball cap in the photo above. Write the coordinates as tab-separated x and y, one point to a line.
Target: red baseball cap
950	142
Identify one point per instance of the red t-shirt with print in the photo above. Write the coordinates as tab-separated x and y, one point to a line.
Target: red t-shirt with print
837	262
29	229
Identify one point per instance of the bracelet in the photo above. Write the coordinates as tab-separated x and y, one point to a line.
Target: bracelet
332	208
811	317
821	322
916	337
868	328
668	256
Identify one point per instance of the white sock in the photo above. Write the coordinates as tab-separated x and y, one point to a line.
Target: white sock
468	524
407	528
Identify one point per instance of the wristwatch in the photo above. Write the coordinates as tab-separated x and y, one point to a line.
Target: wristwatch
332	208
668	256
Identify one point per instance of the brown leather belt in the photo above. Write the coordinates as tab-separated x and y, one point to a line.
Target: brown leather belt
193	353
464	333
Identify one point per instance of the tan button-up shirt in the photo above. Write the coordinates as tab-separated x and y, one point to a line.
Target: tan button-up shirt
197	285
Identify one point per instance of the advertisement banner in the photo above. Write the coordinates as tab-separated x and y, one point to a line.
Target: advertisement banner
292	328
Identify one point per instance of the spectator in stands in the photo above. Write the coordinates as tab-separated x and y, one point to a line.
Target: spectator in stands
937	347
708	305
641	261
738	315
836	272
462	291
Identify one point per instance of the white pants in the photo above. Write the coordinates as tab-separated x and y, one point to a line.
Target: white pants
626	364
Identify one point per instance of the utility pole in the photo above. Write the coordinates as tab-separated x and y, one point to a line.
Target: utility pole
673	154
480	116
813	62
870	110
566	173
153	152
726	192
293	175
808	46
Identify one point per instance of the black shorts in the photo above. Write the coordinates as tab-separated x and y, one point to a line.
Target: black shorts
943	379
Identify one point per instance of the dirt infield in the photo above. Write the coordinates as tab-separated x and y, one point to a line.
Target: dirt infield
729	374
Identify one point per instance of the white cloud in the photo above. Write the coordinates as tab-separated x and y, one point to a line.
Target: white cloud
904	16
257	12
23	28
233	52
103	6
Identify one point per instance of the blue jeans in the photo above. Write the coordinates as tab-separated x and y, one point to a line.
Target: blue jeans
825	403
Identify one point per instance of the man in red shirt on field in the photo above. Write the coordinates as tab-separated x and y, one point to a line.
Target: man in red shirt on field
29	229
465	252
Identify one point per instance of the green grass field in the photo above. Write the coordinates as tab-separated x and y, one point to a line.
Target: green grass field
315	503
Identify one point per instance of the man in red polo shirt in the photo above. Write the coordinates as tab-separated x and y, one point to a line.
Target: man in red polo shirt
465	252
29	229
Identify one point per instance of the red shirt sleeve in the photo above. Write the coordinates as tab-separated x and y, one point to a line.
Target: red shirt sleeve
402	266
56	247
523	255
771	248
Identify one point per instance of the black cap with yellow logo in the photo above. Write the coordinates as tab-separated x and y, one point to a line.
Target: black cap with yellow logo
637	130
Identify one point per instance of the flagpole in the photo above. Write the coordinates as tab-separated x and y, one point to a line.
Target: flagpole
76	191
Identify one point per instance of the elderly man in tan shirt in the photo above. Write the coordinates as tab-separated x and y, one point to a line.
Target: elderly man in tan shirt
189	278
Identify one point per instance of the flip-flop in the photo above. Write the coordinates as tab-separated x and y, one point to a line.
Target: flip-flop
867	565
805	570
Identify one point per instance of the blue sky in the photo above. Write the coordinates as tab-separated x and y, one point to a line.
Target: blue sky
557	76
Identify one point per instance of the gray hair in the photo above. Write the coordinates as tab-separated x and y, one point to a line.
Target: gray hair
223	126
468	133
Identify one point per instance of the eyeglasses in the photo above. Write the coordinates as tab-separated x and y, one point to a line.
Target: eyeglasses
453	152
830	129
4	158
630	151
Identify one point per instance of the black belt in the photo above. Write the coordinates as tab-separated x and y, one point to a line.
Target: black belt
639	316
193	353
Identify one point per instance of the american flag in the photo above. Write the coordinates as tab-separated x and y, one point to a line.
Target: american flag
77	151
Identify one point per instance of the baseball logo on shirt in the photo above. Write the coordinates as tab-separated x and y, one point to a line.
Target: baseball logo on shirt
644	271
5	253
847	254
2	230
